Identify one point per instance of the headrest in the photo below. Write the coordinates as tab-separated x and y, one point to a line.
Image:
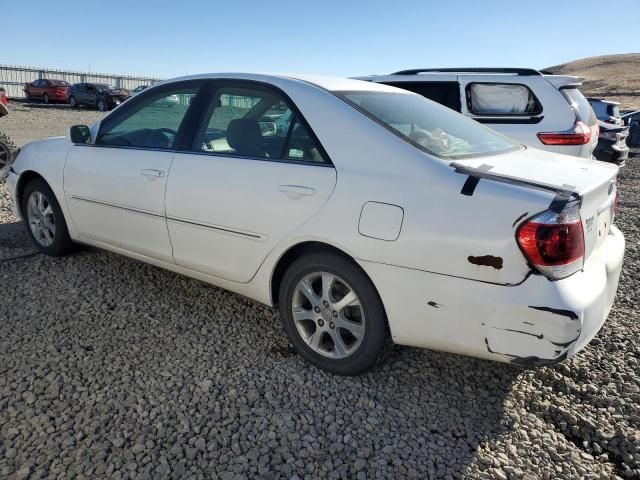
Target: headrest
243	135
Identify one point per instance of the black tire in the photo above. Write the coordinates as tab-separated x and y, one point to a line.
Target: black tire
7	149
45	98
102	105
62	243
73	102
375	342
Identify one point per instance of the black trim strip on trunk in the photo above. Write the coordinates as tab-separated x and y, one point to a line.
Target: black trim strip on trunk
480	172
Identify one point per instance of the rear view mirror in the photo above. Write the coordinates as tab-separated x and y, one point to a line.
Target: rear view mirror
268	129
80	134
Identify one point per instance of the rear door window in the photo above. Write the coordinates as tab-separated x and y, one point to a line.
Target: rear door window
445	93
502	99
256	122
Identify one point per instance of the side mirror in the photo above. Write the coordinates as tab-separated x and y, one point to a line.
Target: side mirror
80	134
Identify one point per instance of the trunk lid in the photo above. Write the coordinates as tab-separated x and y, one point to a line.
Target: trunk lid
592	181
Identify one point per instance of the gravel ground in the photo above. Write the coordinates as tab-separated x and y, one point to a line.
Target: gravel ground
110	368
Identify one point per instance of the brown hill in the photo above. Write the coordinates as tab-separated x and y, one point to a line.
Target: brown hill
615	77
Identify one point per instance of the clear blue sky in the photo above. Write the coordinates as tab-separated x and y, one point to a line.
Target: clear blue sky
322	36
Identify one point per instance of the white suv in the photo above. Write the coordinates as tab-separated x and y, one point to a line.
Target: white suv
542	111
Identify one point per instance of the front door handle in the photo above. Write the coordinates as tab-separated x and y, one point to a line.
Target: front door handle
296	192
149	172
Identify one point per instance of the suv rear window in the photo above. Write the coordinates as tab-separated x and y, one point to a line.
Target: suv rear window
501	99
431	127
580	105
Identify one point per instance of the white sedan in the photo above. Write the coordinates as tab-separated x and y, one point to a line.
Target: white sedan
368	214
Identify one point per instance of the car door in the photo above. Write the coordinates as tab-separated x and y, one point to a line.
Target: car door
37	90
89	95
115	187
253	173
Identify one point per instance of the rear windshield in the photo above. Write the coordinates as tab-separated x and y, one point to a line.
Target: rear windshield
430	126
59	83
580	105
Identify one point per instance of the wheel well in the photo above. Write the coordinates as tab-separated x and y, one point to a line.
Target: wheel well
296	252
25	178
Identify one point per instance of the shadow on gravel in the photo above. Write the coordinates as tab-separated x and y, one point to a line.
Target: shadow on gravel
141	359
14	241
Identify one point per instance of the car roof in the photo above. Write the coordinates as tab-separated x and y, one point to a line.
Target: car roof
333	84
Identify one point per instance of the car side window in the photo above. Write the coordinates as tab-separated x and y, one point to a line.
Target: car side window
445	93
258	123
502	99
151	121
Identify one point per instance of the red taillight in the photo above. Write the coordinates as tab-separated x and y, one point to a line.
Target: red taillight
554	242
580	134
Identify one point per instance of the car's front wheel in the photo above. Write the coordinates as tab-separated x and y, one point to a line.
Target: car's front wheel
332	314
102	105
45	223
72	101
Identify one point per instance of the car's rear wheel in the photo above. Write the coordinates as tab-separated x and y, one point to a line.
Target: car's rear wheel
45	98
73	102
332	314
44	220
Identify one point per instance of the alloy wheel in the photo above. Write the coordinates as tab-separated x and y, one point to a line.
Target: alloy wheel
328	315
41	219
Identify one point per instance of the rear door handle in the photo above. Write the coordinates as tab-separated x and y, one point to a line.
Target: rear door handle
149	172
296	192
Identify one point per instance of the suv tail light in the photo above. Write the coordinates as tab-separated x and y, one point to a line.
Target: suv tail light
580	134
554	242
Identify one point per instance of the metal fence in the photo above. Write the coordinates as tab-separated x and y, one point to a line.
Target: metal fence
13	78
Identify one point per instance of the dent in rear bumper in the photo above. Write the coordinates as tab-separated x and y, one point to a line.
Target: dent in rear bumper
538	322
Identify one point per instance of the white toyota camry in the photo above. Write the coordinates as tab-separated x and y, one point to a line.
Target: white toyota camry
368	214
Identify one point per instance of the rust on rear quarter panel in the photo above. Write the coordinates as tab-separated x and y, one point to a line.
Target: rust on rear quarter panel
487	261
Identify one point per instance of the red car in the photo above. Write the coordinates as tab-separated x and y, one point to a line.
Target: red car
3	96
47	90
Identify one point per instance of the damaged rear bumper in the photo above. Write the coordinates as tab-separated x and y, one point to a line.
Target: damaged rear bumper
537	322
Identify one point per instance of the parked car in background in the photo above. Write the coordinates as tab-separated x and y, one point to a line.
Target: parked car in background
606	110
7	147
630	117
138	89
99	95
543	111
48	90
632	120
612	143
343	219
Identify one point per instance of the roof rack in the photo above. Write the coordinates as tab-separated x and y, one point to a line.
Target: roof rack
516	71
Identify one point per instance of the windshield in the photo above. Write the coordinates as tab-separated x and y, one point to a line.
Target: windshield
60	83
431	127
